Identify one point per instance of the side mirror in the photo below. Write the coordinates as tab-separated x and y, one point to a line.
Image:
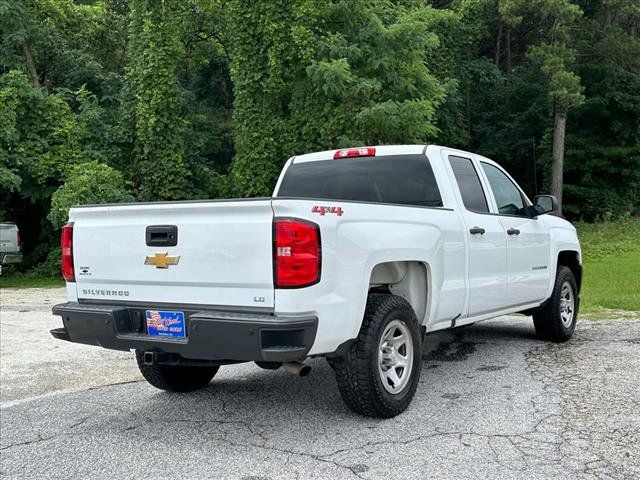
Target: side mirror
545	204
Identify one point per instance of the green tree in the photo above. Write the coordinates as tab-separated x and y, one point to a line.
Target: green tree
327	74
556	58
160	171
18	32
38	138
270	45
87	183
603	147
41	138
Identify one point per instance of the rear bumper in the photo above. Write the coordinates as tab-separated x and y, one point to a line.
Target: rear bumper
9	258
211	334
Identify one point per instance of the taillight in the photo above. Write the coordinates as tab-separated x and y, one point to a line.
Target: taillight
296	253
355	152
66	242
18	239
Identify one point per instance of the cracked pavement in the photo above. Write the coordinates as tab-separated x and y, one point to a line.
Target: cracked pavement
493	402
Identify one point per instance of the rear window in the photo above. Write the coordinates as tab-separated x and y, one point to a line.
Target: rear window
397	179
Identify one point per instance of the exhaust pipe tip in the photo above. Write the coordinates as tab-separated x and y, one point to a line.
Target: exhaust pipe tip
297	368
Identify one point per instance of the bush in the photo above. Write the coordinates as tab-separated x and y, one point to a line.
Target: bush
87	183
50	267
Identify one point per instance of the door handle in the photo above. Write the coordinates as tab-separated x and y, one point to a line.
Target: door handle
476	231
513	231
161	235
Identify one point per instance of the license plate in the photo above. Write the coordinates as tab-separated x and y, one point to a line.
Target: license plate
165	323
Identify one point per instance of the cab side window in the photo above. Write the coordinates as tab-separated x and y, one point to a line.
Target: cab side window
469	184
508	197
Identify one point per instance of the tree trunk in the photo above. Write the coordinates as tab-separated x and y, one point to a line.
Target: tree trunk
557	164
30	65
508	41
498	45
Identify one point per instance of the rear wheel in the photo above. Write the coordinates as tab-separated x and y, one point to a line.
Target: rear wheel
379	373
556	320
175	378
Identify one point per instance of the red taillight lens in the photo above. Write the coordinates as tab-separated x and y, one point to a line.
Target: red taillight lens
296	253
18	239
355	152
66	242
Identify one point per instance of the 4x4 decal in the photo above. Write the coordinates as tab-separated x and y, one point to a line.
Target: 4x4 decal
324	210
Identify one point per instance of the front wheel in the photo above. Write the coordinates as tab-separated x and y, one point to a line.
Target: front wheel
175	378
379	373
556	320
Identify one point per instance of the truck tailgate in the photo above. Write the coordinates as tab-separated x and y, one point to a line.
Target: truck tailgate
223	255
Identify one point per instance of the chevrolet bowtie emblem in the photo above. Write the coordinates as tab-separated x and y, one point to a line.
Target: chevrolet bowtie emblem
161	260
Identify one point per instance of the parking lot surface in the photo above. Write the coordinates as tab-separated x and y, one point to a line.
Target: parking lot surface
493	402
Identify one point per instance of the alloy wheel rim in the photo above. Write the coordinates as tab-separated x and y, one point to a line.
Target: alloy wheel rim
395	357
567	304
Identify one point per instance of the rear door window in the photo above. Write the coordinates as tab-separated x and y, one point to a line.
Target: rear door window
395	179
469	184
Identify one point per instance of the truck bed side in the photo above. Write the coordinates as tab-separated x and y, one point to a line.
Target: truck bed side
355	242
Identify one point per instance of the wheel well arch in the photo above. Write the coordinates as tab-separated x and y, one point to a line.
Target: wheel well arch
409	279
571	259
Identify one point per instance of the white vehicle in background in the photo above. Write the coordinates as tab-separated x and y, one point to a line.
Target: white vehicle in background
10	245
357	255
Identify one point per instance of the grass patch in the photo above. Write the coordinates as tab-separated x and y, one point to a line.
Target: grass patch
29	280
608	239
611	261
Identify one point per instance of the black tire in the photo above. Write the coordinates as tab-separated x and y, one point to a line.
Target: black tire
548	320
176	378
359	380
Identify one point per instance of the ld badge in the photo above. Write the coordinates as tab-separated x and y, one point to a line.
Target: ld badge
161	260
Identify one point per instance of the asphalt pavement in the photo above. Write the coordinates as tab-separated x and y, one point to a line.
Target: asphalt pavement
493	403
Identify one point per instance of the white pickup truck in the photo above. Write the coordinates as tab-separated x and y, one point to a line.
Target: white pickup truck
10	244
357	255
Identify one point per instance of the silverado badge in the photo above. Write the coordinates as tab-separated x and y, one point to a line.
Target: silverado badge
161	260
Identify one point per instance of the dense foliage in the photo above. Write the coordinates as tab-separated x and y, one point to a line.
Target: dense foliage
112	100
85	184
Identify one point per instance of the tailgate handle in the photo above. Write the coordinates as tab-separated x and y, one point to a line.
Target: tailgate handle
162	235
